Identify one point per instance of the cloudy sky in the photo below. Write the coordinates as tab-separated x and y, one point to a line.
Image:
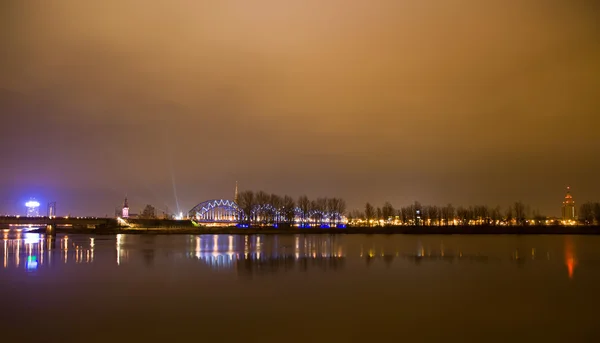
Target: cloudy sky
462	101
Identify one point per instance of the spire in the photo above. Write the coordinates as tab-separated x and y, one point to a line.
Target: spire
235	196
568	196
125	210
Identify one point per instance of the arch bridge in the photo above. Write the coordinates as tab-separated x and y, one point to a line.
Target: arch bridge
221	211
216	211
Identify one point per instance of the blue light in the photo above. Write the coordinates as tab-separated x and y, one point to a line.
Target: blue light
275	225
324	226
32	203
341	226
243	225
31	263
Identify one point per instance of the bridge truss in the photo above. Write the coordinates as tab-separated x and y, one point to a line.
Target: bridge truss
216	211
223	211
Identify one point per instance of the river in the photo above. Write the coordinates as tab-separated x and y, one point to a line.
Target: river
299	288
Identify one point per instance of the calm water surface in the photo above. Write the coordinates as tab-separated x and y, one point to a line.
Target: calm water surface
303	288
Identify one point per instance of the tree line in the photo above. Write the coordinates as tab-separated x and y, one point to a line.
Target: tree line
263	208
431	215
589	213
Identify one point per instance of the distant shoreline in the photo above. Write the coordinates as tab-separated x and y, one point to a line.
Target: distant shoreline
405	230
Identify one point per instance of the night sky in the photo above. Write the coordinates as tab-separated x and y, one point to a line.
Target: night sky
465	101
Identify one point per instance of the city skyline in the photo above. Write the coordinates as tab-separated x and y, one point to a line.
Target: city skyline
400	101
174	211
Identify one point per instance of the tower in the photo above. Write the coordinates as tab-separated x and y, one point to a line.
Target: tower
52	209
125	211
33	208
235	196
568	207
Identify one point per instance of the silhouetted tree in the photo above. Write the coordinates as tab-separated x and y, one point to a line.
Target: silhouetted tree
405	215
277	203
246	203
597	213
520	213
448	214
496	215
304	205
434	215
387	211
369	213
481	214
341	207
335	208
586	213
538	217
288	209
261	209
320	209
462	215
509	215
355	215
149	212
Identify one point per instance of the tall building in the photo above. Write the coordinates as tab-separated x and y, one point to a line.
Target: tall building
125	211
568	207
235	196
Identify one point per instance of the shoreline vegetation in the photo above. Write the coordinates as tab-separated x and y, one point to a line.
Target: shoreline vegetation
388	230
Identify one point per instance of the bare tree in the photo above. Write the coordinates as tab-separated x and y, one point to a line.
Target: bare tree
597	213
538	217
356	214
320	207
586	213
246	203
450	213
369	213
388	211
304	205
433	214
149	212
509	216
496	215
277	203
288	209
520	213
341	208
404	213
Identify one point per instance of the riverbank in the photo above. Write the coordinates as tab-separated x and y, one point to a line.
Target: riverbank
406	230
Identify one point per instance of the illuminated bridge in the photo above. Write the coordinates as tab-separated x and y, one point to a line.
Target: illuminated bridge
216	211
221	211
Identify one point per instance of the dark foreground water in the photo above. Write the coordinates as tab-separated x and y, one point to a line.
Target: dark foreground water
314	288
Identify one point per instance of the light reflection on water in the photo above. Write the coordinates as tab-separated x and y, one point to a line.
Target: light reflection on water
33	250
335	288
30	251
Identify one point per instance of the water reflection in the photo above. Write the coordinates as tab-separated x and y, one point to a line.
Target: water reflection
255	254
260	254
570	260
34	250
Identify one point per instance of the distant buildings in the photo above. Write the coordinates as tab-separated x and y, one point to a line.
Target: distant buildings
568	207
